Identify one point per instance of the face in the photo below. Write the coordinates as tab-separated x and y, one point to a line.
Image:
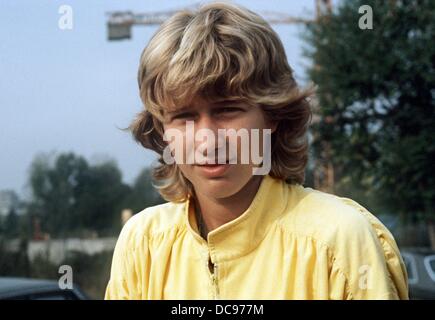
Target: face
202	155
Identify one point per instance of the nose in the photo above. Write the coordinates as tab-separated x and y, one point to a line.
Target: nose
207	135
205	125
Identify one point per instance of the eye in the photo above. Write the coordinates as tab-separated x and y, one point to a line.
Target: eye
228	110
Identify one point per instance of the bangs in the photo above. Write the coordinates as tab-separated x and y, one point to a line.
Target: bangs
207	71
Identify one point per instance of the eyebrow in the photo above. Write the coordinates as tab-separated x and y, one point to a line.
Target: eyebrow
178	110
175	111
187	108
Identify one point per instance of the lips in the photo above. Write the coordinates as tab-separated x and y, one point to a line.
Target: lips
215	162
213	170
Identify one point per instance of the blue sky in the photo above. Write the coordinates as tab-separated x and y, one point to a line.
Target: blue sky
70	90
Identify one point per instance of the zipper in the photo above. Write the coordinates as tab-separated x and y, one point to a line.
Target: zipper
214	279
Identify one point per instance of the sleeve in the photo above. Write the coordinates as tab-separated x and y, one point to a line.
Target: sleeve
125	279
367	263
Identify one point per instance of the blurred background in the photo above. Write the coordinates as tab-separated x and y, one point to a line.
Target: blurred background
70	177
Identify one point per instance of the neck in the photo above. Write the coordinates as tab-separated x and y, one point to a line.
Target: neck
215	212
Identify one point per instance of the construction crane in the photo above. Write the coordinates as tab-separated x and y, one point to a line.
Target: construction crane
120	23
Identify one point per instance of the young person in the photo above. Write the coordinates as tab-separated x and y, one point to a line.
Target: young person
227	230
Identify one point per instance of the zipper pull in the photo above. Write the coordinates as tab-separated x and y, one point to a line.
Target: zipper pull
211	265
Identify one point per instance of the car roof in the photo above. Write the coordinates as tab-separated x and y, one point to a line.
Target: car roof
10	286
418	251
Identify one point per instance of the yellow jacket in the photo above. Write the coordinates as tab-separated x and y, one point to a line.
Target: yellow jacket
292	242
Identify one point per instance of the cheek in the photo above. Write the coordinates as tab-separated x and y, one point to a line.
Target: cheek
177	142
254	119
187	171
255	122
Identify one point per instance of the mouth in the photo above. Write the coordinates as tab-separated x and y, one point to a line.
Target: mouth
216	162
214	170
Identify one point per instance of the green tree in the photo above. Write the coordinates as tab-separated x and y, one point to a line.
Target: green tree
52	183
100	196
11	226
70	196
376	91
143	192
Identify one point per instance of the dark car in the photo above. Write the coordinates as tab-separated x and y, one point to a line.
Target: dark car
420	264
36	289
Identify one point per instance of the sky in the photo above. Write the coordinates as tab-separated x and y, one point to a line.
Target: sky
72	90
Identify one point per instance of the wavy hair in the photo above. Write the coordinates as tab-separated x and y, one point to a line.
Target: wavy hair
221	51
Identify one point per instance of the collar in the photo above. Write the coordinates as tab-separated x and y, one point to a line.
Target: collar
243	234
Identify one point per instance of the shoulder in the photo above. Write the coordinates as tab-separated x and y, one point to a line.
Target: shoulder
356	240
151	221
132	252
341	224
328	218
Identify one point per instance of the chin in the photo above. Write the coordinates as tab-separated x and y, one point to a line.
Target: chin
222	187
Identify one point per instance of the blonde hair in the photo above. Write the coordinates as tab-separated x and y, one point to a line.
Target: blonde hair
220	52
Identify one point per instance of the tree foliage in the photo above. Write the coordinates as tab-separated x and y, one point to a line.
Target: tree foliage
70	196
376	91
